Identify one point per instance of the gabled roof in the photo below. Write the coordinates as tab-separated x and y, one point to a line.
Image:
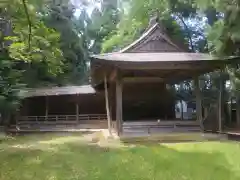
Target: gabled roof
155	51
154	39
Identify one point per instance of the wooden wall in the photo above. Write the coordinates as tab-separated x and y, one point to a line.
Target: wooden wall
64	105
141	101
144	101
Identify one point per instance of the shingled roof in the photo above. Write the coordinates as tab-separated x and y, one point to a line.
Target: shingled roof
154	57
155	50
57	91
154	39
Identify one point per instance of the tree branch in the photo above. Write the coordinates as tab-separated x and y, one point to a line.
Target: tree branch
29	24
187	29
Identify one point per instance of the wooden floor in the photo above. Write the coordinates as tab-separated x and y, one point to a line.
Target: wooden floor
136	128
59	127
170	131
233	134
234	131
166	131
143	128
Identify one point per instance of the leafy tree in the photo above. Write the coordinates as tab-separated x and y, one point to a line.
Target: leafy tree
10	84
134	20
26	43
103	22
61	18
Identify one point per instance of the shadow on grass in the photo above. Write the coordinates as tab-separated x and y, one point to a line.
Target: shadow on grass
80	161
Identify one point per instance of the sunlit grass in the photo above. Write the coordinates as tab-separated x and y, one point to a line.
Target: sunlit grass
62	157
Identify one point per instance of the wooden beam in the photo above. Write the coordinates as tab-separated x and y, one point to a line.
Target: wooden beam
142	79
198	102
119	103
169	65
107	105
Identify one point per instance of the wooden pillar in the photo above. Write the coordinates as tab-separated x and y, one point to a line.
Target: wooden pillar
198	102
46	108
220	106
119	103
111	113
77	110
230	110
181	103
112	103
205	112
107	105
238	111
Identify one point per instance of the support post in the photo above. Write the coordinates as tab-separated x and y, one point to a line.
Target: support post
238	111
230	110
107	105
119	103
198	102
205	112
111	113
181	102
47	108
220	106
77	110
111	97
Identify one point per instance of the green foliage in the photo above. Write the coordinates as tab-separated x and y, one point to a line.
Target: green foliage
135	18
10	83
44	43
43	46
224	38
61	18
25	43
223	34
103	23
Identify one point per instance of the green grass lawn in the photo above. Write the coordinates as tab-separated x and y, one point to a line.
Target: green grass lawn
58	157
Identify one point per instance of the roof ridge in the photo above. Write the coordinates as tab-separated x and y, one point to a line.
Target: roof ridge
147	33
139	39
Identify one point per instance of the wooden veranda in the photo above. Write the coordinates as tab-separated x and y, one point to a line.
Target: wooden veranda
61	108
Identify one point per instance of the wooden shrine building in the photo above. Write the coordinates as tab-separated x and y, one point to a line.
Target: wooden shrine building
70	106
131	85
138	77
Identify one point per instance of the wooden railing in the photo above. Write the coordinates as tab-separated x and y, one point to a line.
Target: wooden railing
52	119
